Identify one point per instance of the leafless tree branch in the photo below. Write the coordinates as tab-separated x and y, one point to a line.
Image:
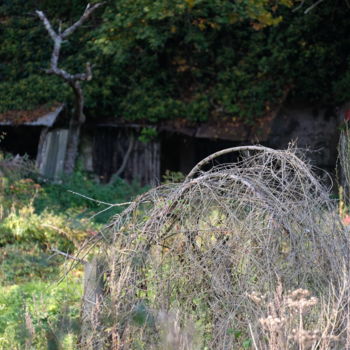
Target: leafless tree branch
72	79
87	13
218	236
126	157
299	6
309	9
56	251
58	37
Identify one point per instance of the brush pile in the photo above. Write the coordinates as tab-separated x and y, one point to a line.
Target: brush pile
199	249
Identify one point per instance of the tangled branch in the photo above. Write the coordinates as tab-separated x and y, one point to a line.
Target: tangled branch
198	247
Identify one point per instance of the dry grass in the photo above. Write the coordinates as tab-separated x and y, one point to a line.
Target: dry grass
202	246
298	320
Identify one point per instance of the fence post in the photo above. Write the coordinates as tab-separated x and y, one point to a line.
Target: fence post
90	338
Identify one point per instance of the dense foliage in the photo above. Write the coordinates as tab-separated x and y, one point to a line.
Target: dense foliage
192	59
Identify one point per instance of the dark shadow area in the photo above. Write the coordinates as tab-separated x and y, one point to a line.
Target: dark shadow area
182	153
20	140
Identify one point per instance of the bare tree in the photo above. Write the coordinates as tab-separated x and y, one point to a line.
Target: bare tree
73	80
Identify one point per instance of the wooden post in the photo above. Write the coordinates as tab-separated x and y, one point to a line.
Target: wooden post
90	339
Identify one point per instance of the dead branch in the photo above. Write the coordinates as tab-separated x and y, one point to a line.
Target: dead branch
201	245
125	159
87	13
73	80
58	37
68	256
211	157
262	149
299	6
310	8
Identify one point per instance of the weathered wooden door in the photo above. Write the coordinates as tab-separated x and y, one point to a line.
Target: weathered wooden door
52	152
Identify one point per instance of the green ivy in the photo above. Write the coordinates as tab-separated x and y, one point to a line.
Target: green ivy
193	59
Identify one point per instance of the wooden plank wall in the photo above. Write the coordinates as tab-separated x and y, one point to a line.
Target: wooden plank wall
110	146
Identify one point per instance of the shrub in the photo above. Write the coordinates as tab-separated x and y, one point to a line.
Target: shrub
46	229
21	263
199	246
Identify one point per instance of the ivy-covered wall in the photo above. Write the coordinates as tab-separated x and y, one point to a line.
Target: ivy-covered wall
193	59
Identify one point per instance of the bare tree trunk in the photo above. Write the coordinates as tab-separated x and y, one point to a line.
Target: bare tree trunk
78	117
76	121
125	159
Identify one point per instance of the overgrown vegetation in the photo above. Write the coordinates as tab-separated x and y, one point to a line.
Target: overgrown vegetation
246	255
251	255
197	59
227	259
40	314
39	303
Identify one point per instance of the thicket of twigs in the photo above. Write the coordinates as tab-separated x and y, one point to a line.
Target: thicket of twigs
213	262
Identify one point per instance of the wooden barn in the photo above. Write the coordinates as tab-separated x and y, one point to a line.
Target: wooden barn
110	147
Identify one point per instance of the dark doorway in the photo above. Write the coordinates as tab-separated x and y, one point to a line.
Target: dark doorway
182	153
20	140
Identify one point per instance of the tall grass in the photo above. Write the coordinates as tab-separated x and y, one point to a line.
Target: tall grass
41	224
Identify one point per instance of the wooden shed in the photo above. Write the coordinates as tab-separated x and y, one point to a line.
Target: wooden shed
112	147
38	133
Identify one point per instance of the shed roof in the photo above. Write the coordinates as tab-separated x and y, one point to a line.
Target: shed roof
230	129
41	116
